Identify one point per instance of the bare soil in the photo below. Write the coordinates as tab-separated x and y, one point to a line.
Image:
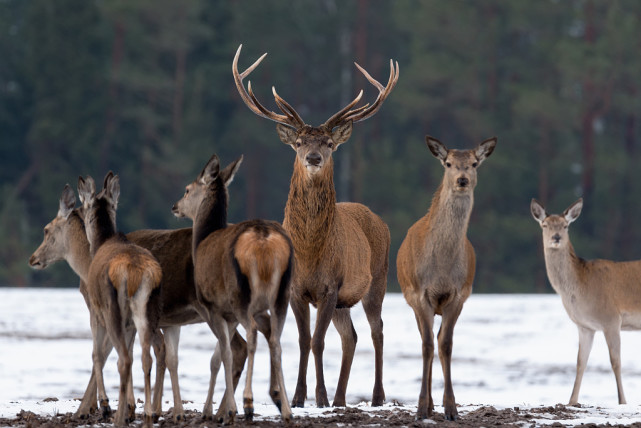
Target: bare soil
486	416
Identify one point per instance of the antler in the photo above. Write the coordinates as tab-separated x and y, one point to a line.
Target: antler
366	111
290	118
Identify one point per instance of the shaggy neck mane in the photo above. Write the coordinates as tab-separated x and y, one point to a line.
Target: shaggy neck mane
103	226
310	210
212	214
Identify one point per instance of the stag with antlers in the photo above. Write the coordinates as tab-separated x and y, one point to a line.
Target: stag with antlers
341	249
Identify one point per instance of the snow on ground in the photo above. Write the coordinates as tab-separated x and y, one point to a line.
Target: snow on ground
509	351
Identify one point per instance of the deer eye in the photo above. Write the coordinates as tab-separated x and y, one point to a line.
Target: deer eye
46	232
475	164
330	144
447	164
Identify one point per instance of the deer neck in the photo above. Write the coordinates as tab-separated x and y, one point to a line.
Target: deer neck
310	210
211	216
103	227
562	265
78	253
449	216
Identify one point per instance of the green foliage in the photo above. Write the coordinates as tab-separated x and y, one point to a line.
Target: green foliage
145	88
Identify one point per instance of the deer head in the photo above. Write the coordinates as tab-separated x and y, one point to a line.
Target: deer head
313	145
555	227
96	206
211	182
460	165
55	244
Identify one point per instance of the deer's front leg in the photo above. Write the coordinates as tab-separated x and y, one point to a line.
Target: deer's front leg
323	318
586	337
89	399
445	343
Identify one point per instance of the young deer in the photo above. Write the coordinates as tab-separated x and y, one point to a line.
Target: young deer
598	295
436	263
123	285
242	274
341	249
65	239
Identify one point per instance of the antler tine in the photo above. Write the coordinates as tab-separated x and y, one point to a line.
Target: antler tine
383	93
338	116
252	102
288	109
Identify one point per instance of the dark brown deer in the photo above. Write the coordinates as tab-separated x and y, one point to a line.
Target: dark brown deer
65	239
242	274
123	287
342	249
436	264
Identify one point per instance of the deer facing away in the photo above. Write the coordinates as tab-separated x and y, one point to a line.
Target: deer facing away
243	275
65	239
436	263
123	286
598	295
341	249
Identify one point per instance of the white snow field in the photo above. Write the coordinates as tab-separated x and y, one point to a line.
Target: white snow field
509	351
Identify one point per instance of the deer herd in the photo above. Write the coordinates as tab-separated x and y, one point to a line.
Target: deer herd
327	254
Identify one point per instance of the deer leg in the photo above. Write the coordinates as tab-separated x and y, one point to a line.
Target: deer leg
277	381
158	343
222	329
172	338
445	344
425	320
130	336
613	339
116	330
301	313
343	323
239	353
99	334
89	399
586	337
248	397
324	315
373	306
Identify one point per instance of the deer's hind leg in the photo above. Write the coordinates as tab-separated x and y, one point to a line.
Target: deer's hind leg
343	323
277	381
100	337
613	339
172	338
373	306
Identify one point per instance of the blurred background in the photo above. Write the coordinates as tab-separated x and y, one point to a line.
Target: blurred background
145	88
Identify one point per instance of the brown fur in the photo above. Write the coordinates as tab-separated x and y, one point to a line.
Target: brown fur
436	264
598	295
242	275
66	239
342	250
129	269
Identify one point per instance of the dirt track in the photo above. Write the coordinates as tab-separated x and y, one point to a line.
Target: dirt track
351	416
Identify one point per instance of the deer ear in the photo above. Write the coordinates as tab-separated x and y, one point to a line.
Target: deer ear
485	149
210	171
67	202
573	211
437	148
113	189
342	133
538	212
287	134
86	189
227	174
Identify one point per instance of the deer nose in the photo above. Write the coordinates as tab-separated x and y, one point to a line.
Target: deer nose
462	181
314	159
33	260
556	238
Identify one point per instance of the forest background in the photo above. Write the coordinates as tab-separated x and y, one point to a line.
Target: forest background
145	88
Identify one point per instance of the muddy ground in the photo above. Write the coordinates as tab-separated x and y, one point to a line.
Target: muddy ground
487	416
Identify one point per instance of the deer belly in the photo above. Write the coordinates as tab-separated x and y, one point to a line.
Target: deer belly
631	321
